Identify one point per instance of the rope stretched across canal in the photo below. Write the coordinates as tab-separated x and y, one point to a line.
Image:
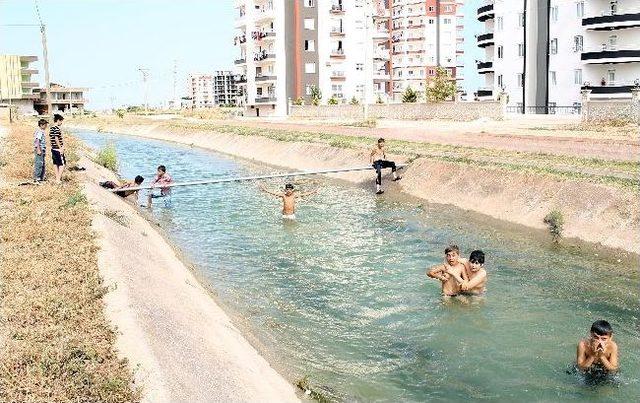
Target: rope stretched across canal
253	178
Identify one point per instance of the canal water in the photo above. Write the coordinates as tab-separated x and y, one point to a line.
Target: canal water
341	296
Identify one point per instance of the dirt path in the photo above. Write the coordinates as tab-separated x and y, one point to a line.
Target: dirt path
545	139
185	345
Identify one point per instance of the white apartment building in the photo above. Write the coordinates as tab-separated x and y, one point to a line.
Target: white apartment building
285	48
225	91
542	53
426	34
201	90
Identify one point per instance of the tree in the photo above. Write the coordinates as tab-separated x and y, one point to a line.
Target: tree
441	87
354	101
333	100
316	95
298	101
409	96
379	100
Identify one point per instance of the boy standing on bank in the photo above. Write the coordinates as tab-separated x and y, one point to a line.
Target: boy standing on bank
39	148
57	147
598	351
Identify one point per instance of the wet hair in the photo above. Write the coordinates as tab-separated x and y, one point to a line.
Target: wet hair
42	122
162	168
477	256
452	248
138	180
288	186
601	328
380	140
57	118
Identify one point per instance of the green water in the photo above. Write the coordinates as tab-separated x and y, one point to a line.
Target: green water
341	295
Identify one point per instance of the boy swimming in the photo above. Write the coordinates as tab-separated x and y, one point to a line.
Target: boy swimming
476	274
598	351
450	273
288	199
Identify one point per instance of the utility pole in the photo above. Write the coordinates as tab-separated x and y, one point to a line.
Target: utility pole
145	76
45	56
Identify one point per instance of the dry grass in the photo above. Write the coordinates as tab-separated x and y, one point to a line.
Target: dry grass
56	342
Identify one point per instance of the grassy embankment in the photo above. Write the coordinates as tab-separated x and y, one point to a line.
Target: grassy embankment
56	342
622	174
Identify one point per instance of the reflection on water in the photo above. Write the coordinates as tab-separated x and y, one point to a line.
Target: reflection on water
341	294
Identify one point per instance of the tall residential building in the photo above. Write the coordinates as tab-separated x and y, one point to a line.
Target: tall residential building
201	90
16	86
543	52
425	34
287	47
225	90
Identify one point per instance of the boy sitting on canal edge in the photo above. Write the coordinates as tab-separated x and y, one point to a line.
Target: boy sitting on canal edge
378	159
288	199
598	352
450	273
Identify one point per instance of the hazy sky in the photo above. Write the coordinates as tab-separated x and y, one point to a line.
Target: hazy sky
100	44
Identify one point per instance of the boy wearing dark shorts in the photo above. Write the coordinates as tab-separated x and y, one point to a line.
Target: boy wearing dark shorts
57	147
378	159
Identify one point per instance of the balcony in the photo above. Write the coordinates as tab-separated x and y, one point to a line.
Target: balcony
337	53
612	22
485	67
28	71
262	35
381	35
485	40
240	61
382	14
28	84
613	90
266	100
264	78
336	31
263	56
381	76
608	54
338	75
486	13
485	94
337	9
381	54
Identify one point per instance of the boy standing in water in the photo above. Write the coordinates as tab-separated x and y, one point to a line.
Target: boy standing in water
378	159
288	199
599	351
476	274
449	272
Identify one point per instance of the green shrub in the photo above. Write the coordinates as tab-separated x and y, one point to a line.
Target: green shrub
76	198
555	223
354	101
316	95
107	157
441	87
409	96
379	100
298	101
332	101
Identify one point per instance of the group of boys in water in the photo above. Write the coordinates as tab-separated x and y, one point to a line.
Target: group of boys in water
458	276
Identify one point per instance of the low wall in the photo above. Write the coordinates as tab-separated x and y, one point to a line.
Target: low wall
460	111
600	111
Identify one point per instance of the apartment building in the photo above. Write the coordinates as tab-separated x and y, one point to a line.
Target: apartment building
287	47
201	90
16	85
225	91
63	99
425	35
542	53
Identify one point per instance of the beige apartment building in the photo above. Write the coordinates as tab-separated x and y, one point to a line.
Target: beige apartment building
16	85
63	99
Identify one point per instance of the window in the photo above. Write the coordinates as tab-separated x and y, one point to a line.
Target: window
360	66
612	76
432	72
500	52
580	9
520	79
553	46
310	68
577	76
447	21
309	45
447	9
500	80
520	19
554	13
310	24
499	24
432	9
431	21
613	42
309	3
613	6
553	77
578	42
521	49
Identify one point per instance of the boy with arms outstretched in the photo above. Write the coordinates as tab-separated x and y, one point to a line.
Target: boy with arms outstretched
288	199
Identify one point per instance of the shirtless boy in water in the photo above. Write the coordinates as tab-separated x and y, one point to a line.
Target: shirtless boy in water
599	351
288	199
450	273
476	274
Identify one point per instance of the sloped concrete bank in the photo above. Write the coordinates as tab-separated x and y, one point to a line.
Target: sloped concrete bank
595	213
183	345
